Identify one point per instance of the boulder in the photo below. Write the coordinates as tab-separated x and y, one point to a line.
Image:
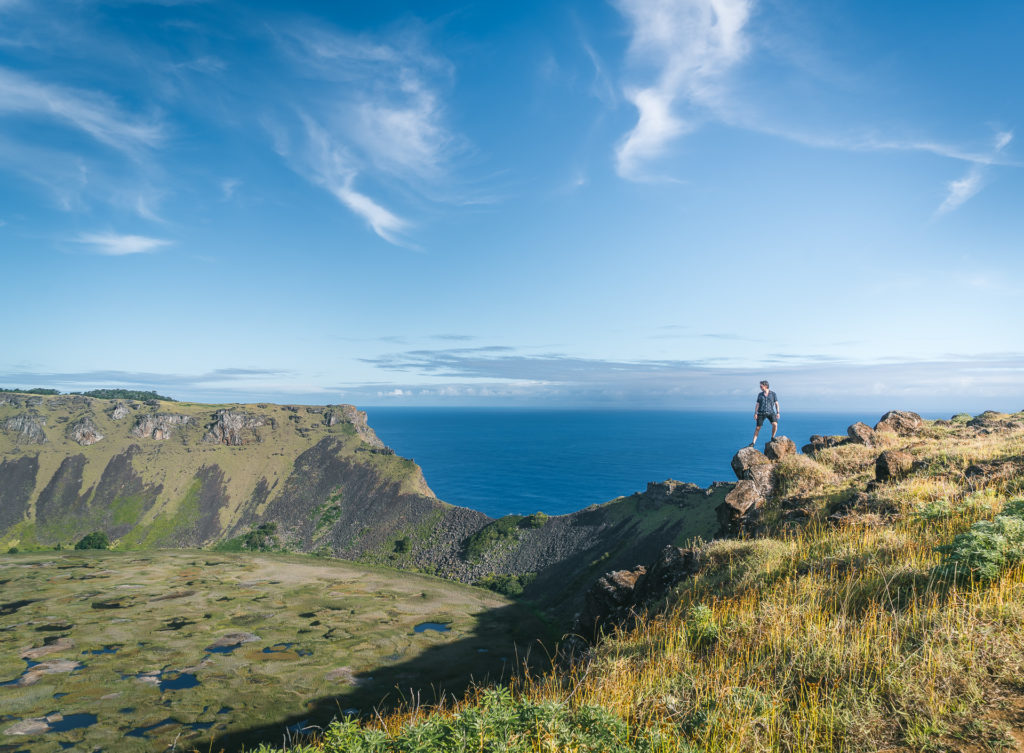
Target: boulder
861	433
900	422
763	478
747	458
84	432
26	427
779	448
743	498
892	465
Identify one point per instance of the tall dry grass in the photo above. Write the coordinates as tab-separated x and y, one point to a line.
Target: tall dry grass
826	637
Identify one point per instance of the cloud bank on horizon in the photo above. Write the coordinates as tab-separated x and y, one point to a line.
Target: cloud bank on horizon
630	201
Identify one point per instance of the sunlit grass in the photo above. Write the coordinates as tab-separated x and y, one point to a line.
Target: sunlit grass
821	637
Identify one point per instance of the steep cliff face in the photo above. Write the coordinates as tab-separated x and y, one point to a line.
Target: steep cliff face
184	474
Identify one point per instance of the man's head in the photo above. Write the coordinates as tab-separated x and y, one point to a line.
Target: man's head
764	385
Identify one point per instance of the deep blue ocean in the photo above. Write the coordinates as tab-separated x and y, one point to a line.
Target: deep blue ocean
502	461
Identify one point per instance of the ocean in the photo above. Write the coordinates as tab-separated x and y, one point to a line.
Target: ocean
502	461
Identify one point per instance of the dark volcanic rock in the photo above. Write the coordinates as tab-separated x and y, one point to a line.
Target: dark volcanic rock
861	433
743	500
159	425
26	427
84	432
892	465
779	448
236	428
901	422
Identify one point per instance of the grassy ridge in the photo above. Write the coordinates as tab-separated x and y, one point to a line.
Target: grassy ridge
852	621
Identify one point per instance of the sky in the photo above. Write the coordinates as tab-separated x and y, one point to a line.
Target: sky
621	203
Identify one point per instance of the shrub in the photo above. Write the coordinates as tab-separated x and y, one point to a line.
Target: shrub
262	538
987	547
961	418
402	545
701	626
537	520
94	540
509	585
501	530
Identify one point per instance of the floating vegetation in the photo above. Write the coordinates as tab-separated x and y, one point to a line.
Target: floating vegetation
147	659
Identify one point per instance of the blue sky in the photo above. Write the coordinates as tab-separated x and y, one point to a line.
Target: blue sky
629	203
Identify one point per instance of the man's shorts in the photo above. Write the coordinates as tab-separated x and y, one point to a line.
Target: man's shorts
772	418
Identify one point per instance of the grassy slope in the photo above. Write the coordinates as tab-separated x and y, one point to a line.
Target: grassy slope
820	633
346	635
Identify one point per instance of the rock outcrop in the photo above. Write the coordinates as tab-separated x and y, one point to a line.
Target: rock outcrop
119	411
861	433
27	428
235	428
159	425
84	432
619	597
892	465
755	486
904	423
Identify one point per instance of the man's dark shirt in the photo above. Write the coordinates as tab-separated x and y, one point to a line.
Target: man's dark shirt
766	403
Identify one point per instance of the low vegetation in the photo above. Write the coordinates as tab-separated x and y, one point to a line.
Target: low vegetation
856	616
94	540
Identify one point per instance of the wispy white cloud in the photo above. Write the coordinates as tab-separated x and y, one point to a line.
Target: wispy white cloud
960	190
228	186
93	113
373	109
327	164
114	244
691	46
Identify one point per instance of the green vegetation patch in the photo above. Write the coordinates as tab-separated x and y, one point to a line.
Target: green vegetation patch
497	722
119	394
987	548
509	585
94	540
502	530
261	538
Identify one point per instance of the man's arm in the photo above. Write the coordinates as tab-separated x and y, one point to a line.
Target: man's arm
777	411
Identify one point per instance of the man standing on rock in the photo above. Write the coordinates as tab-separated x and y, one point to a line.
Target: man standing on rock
767	406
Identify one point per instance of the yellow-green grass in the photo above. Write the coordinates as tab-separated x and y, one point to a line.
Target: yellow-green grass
829	635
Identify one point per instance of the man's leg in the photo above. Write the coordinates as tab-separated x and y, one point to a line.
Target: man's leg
757	430
775	428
